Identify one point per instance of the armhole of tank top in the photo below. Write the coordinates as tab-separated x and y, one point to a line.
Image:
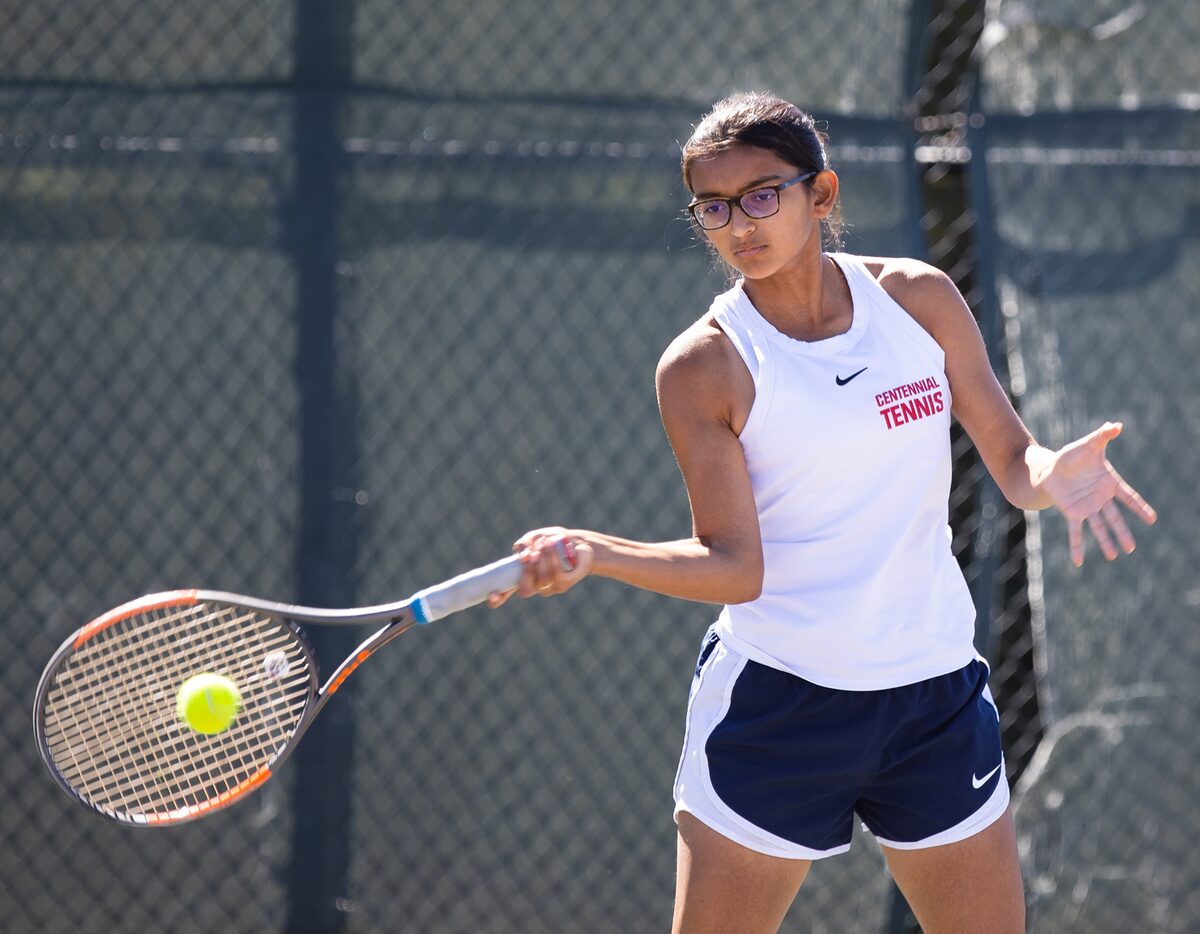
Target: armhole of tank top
738	334
887	306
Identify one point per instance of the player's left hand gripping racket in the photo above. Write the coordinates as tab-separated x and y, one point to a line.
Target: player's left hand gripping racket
105	714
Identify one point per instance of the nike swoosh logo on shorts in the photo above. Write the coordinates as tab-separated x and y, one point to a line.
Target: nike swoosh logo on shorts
843	382
978	783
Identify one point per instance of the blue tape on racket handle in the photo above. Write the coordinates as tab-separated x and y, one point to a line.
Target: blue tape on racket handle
473	587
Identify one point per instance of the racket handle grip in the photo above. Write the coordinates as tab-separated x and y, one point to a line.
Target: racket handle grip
473	587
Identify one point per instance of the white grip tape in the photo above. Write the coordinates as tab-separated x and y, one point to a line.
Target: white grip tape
473	587
466	590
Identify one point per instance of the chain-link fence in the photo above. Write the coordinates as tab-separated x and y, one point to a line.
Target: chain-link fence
324	302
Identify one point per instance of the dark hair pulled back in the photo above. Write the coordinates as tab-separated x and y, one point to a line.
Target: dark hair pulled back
759	119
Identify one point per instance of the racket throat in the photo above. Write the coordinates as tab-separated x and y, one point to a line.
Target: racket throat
399	626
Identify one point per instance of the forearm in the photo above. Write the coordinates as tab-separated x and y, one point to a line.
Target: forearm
690	568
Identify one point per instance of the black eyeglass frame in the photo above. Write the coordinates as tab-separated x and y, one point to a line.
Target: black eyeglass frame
690	210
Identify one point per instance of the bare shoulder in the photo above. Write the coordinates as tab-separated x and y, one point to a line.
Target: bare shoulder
929	295
912	283
701	371
701	353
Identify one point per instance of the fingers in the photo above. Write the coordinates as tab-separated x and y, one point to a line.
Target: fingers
1075	541
1104	434
1116	522
1106	524
1095	440
1134	502
553	561
499	597
1089	490
551	564
527	540
549	561
1100	531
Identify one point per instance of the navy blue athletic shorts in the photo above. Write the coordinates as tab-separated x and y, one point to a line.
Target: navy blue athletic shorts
782	765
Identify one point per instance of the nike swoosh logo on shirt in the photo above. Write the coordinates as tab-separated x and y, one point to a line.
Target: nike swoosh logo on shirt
843	382
978	783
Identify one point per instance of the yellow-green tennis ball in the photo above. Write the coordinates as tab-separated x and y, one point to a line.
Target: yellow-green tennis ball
208	702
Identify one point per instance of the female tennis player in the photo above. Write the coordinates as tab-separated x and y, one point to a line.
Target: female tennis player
809	410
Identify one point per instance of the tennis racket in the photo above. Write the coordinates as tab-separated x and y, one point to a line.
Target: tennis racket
105	714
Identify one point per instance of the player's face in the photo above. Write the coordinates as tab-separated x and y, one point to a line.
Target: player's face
756	247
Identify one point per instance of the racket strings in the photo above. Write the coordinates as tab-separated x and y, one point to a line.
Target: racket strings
133	732
110	719
181	781
142	750
91	685
131	750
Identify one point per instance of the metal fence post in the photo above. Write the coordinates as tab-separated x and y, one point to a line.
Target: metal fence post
319	860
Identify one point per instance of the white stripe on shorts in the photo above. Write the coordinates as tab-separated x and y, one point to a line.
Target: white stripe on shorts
694	792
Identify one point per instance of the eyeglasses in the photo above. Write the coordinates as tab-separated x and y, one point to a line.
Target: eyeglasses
714	213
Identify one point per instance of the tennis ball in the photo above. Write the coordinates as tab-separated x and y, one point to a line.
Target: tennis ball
208	702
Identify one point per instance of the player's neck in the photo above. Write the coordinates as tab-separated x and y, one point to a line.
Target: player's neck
808	300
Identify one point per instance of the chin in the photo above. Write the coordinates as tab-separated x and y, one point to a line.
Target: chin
751	269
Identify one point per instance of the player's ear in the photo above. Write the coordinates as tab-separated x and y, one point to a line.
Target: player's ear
825	191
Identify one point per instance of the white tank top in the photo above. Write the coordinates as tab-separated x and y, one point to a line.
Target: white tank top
848	448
